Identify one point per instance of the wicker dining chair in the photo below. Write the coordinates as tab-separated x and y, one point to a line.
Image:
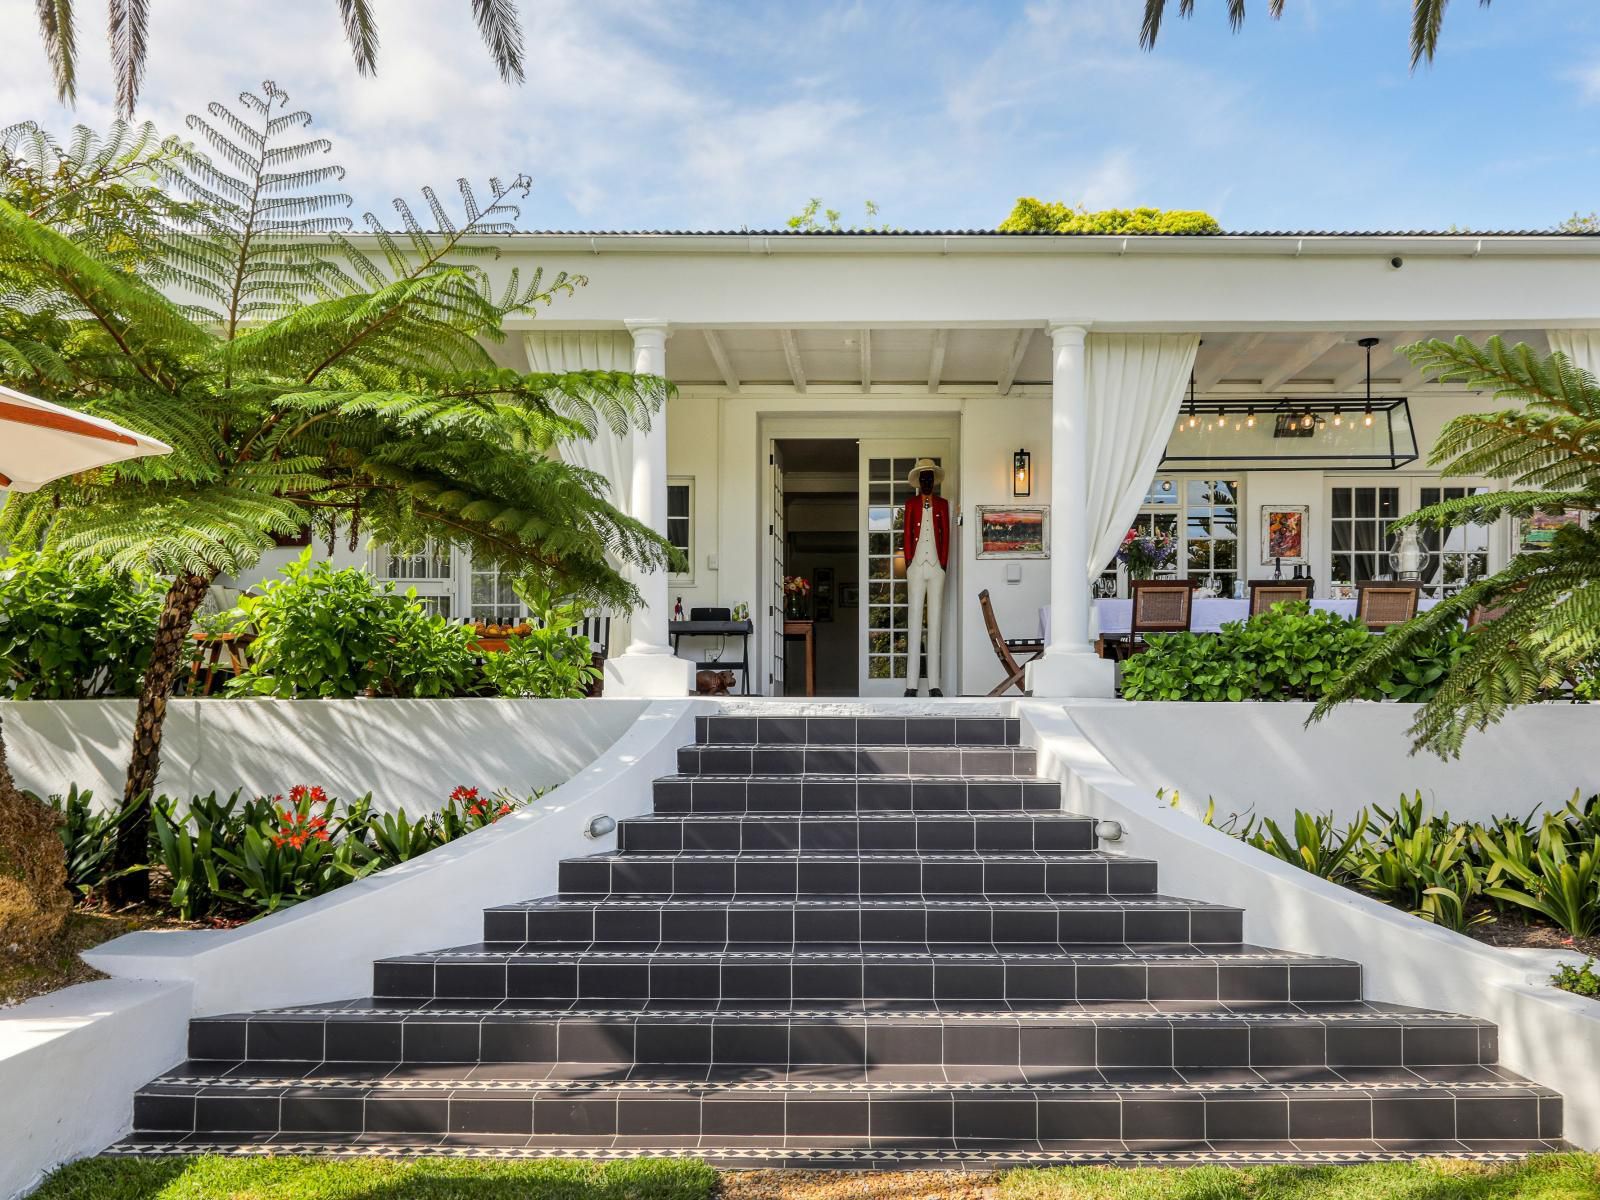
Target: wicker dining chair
1381	603
1159	606
1264	593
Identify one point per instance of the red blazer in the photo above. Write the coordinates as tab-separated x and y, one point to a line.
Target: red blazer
941	528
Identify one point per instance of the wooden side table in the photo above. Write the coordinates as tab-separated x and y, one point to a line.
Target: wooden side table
237	646
806	630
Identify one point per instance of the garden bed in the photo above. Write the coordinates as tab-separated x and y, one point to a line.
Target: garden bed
88	925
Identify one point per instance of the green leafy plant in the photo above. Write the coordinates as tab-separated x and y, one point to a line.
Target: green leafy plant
325	631
550	660
1039	216
1423	865
1557	880
1581	981
72	631
89	835
1317	845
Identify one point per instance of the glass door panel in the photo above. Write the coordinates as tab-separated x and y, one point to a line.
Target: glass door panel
778	565
885	607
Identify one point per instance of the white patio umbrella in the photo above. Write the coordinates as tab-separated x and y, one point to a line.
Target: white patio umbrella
40	441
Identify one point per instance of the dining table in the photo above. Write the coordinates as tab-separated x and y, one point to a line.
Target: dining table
1114	617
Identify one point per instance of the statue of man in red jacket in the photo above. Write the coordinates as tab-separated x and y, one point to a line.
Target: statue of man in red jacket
927	544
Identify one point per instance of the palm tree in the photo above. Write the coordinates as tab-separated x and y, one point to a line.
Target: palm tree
128	24
313	384
1543	639
1426	17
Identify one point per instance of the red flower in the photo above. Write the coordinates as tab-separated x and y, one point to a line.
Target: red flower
502	810
463	794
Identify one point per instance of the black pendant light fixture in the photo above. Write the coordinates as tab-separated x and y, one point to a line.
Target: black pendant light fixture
1367	343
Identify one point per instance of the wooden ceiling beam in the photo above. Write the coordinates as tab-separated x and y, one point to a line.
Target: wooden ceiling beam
1299	359
1225	360
1008	372
941	342
719	355
791	355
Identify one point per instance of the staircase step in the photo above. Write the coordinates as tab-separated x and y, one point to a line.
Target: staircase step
893	1104
967	831
860	873
1104	1034
788	975
730	759
818	918
790	729
828	1153
817	794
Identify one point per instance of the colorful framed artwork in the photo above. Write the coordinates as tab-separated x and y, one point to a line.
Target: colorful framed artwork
1284	533
1013	531
1537	531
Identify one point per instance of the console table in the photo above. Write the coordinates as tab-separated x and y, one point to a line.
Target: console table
805	630
677	630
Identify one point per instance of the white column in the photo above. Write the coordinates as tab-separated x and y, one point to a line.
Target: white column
648	667
1069	666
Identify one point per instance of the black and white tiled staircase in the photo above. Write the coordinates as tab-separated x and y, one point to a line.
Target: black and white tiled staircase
853	941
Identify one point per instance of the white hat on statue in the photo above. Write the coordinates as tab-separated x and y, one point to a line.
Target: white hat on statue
925	464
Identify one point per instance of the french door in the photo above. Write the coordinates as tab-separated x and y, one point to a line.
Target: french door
1360	512
885	601
777	564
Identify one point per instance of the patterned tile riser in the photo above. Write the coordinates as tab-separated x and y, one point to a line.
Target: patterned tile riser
927	833
854	760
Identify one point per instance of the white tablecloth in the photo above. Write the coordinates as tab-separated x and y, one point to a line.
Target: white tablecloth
1210	613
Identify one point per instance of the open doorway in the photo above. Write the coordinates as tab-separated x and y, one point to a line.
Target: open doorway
821	544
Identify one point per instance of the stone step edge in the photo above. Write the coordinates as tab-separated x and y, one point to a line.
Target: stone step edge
884	1153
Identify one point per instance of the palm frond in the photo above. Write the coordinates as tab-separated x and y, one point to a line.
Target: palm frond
129	22
361	31
502	34
59	31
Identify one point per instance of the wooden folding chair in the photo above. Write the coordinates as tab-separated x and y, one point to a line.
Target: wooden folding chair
1264	593
1004	647
1159	606
1381	603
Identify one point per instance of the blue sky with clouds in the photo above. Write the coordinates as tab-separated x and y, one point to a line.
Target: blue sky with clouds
729	113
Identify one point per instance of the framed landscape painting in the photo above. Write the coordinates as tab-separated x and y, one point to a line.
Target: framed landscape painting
1013	531
1538	530
1283	533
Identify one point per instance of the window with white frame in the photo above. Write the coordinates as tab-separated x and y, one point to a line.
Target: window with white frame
430	571
680	523
1203	515
1360	514
492	598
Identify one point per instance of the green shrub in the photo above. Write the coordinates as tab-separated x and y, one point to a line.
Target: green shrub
323	631
89	835
72	632
1029	215
551	662
1292	652
1581	981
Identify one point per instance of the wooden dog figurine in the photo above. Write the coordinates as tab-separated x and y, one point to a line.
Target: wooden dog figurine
713	683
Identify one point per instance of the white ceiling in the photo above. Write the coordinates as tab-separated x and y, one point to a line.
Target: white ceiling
996	358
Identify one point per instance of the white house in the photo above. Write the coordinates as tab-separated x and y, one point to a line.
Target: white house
812	369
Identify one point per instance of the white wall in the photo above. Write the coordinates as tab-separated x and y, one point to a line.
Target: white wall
407	753
1260	758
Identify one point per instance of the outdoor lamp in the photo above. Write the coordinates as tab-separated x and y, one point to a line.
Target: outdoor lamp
1407	557
1022	473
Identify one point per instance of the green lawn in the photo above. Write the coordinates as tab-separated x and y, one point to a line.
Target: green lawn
1554	1177
376	1179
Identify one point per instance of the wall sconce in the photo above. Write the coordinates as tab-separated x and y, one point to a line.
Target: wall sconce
1022	473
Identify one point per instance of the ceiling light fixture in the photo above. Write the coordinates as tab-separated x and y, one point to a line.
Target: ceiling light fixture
1367	343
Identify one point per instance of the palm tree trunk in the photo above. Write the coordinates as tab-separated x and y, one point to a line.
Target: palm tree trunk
172	639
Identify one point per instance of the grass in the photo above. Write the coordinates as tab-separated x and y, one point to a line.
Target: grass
1549	1177
376	1179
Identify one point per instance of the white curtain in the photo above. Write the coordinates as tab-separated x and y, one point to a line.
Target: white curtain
1581	346
1135	384
606	453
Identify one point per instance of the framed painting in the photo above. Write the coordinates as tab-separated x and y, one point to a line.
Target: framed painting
1284	533
822	592
1538	530
1013	531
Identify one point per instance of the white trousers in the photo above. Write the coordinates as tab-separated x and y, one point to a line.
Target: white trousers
925	580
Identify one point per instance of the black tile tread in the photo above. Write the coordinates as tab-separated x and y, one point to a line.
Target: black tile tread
901	759
856	1155
791	729
854	793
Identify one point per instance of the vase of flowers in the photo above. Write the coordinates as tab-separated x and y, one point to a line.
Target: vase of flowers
1144	552
796	591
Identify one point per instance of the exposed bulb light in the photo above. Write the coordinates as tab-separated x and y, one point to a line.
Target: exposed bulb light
1338	416
1366	417
1250	418
1367	343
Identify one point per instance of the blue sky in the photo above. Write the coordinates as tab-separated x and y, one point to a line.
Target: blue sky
726	114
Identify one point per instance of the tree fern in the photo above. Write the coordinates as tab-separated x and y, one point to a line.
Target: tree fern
1544	639
316	383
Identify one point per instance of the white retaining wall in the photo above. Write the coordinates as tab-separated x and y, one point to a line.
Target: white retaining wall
1261	758
1548	1035
407	753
